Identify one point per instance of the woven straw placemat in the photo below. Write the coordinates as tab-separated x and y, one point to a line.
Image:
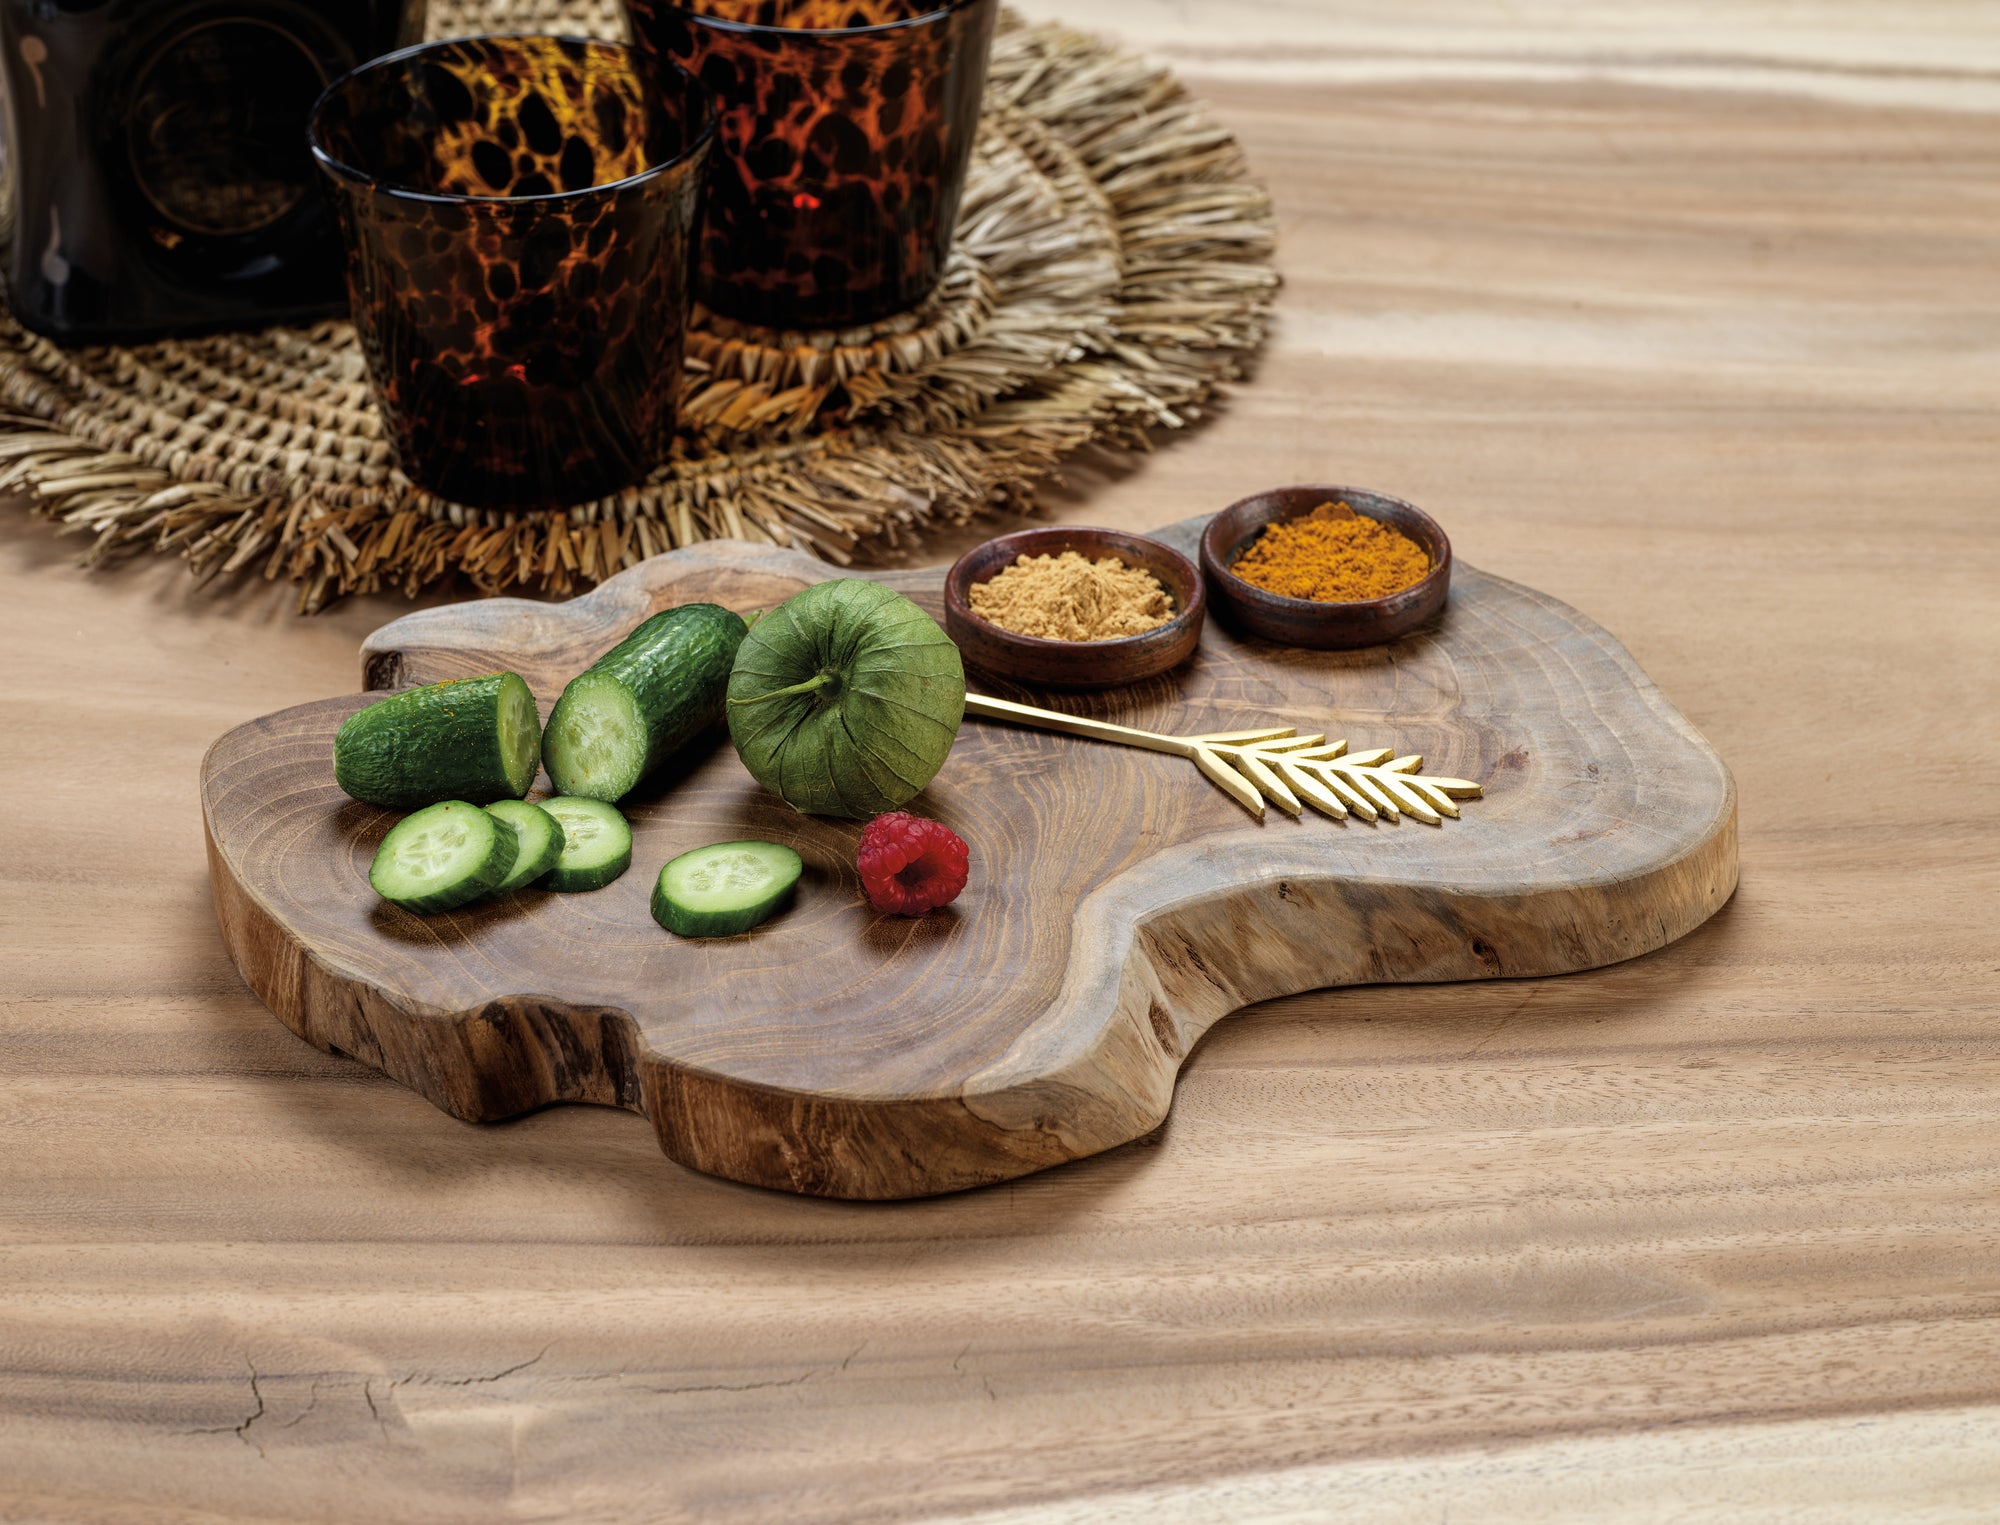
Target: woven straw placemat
1112	265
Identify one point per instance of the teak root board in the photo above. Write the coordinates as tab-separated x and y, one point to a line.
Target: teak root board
1119	904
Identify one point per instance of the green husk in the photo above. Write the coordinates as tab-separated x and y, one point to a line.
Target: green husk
845	699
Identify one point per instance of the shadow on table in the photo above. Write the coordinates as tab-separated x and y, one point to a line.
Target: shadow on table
583	1174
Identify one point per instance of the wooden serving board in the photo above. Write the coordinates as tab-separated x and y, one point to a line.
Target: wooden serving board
1119	904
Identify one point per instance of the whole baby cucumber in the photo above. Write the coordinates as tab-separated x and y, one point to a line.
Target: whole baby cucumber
642	701
475	739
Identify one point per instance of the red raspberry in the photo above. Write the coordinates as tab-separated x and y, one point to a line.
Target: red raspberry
910	865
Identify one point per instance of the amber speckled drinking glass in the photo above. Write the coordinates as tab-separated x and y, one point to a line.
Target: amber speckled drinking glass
844	131
518	214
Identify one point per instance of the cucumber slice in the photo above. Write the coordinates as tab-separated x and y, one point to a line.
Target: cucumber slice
722	890
642	701
474	739
538	838
442	857
597	844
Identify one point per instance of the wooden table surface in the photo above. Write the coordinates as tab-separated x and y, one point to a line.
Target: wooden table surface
1685	313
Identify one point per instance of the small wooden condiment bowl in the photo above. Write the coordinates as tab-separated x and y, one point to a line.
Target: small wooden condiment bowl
1306	621
1074	664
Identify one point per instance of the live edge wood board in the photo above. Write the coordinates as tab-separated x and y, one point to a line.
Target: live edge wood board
1119	905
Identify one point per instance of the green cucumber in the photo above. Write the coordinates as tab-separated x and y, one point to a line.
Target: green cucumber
441	857
540	839
474	739
642	701
725	889
597	844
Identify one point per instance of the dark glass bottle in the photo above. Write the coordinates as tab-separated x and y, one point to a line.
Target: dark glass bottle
161	181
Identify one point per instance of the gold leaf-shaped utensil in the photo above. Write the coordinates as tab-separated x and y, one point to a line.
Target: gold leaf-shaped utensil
1275	764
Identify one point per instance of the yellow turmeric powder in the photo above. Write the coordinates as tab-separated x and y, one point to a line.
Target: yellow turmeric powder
1332	555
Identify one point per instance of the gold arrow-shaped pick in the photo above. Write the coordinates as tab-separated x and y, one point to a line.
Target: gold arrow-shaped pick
1275	764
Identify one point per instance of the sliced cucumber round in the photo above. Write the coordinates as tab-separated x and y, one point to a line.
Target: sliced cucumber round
725	889
539	841
441	857
597	844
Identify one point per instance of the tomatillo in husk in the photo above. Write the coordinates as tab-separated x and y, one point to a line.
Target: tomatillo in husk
844	700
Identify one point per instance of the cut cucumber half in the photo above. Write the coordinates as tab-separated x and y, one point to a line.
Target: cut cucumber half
538	841
641	702
442	857
474	739
597	844
597	739
725	889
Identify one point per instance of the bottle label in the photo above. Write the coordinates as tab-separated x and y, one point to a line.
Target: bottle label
217	127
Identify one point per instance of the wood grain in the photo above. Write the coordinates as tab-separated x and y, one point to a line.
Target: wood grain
1120	905
1681	311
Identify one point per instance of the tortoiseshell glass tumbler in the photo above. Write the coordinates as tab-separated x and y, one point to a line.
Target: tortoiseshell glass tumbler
519	214
844	131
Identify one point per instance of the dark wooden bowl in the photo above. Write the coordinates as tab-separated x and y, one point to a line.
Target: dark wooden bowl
1074	664
1306	621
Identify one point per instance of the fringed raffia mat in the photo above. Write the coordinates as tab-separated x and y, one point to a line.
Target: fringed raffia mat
1113	264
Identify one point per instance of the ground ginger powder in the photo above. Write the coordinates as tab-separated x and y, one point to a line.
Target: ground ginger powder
1333	555
1072	598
